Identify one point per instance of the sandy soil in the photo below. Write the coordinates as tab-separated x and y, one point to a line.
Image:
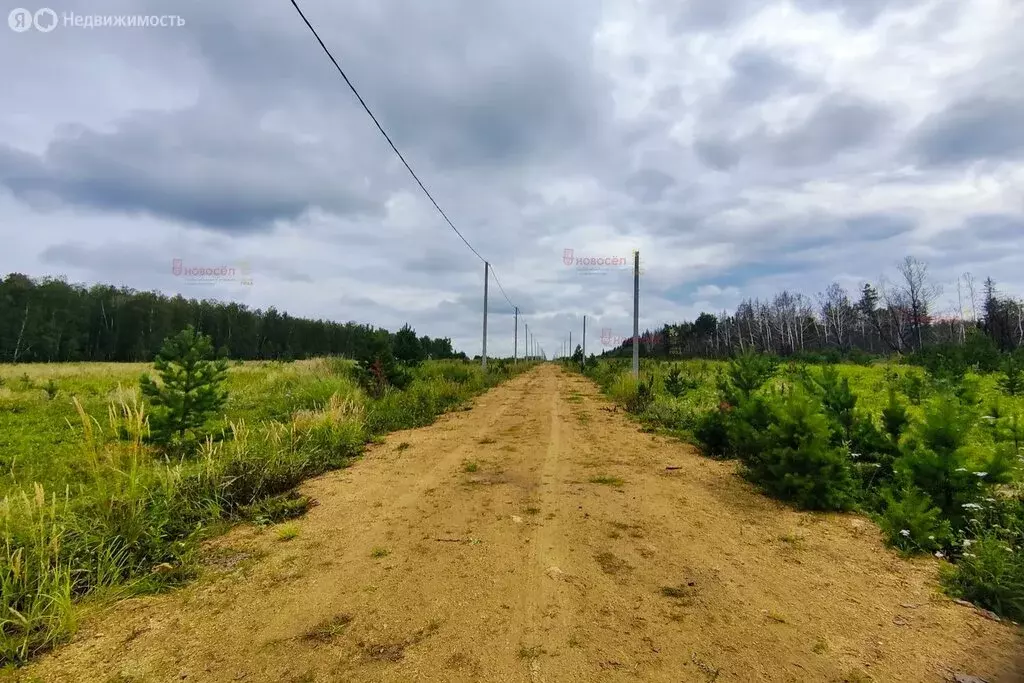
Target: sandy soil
577	549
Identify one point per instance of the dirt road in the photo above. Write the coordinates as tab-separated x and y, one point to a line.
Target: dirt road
541	536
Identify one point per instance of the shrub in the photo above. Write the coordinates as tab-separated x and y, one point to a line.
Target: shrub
912	523
799	463
915	387
990	573
1012	381
747	428
1009	430
377	370
643	397
712	433
937	460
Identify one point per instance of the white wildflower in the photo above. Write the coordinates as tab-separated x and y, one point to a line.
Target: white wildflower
938	554
971	506
931	538
969	555
990	500
961	469
904	532
982	474
968	543
855	455
987	417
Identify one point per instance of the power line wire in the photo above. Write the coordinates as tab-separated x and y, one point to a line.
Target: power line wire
383	132
396	150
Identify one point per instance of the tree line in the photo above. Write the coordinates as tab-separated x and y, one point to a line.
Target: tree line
887	317
50	320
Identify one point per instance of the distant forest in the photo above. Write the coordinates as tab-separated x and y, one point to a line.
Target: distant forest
890	317
49	320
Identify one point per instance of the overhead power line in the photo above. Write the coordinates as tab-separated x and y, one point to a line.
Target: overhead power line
384	132
404	163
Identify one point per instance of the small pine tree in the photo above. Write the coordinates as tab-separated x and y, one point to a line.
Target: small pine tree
748	373
1012	381
912	523
894	418
838	400
190	390
799	463
678	384
407	347
377	369
937	459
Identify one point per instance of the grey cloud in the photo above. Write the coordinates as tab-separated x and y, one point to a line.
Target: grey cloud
720	155
192	166
758	74
861	13
668	97
971	130
839	123
465	84
710	14
878	226
649	185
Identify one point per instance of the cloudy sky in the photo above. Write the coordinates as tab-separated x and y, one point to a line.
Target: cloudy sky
743	146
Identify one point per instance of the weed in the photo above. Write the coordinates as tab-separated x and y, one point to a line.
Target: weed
380	552
402	446
607	480
470	466
287	532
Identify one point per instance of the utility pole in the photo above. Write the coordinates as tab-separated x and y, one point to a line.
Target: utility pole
570	342
636	314
526	339
515	340
584	358
483	360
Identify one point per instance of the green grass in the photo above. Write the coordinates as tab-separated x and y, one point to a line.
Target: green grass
380	552
89	509
287	532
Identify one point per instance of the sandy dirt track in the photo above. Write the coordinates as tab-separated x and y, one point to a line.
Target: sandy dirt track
569	553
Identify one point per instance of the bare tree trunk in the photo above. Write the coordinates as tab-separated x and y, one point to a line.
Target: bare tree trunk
21	334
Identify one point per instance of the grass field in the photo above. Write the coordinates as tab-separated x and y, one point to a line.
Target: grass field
870	383
90	510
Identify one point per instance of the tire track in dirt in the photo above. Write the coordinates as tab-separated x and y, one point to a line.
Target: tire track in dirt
501	556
